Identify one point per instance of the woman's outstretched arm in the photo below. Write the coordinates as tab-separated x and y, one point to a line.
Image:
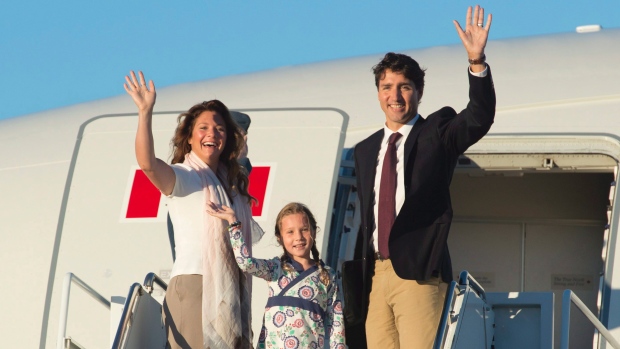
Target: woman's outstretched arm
158	172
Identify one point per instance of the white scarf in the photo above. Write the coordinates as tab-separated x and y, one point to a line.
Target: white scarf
226	291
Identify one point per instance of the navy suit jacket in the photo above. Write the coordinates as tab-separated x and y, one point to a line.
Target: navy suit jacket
418	239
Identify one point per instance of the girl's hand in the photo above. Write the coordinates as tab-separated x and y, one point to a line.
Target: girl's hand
222	212
143	96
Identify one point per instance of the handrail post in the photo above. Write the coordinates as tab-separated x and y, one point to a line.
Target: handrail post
445	316
570	297
64	310
466	279
565	319
64	304
134	291
153	278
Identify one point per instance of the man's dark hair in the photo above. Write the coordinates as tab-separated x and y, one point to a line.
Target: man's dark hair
403	64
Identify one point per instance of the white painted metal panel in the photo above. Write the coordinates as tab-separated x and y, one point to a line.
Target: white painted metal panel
564	256
490	252
112	252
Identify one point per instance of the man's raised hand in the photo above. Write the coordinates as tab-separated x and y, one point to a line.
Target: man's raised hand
475	35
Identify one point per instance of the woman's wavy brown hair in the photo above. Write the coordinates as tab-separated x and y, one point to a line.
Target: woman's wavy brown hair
237	178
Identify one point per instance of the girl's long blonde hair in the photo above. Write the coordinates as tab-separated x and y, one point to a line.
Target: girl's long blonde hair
295	208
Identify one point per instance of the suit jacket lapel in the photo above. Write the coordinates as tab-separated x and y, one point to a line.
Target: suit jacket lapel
411	140
368	166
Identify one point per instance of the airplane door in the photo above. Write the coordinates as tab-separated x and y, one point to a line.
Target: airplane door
114	227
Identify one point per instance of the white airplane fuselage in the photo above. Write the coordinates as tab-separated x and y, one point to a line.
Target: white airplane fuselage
534	200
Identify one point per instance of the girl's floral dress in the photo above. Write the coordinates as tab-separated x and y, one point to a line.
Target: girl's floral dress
301	311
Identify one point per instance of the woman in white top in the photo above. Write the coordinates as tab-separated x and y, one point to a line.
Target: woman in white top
207	303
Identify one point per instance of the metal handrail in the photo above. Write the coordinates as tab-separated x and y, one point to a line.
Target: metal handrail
134	292
153	278
568	297
465	279
64	305
442	331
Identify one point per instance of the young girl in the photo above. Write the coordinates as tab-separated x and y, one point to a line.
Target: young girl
303	309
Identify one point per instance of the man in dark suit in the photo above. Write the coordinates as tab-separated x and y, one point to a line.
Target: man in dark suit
403	175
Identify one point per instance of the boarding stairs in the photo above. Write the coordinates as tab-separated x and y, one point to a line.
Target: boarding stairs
136	321
472	318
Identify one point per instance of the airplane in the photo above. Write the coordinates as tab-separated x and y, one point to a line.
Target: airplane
534	200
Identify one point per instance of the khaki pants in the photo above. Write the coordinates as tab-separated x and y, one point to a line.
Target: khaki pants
182	312
403	313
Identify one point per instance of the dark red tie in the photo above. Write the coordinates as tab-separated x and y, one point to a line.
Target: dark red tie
387	196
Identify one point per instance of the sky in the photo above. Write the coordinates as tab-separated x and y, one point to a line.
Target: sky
59	53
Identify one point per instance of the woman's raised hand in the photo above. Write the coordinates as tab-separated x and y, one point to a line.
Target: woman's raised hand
143	96
222	212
